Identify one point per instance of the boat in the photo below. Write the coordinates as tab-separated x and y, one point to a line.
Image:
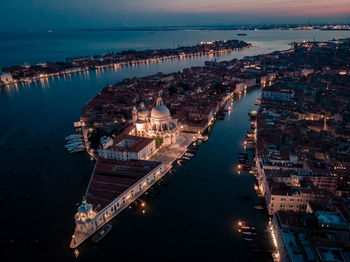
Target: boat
75	140
101	233
72	145
257	102
252	113
248	239
249	233
259	207
189	154
246	226
74	136
76	253
241	34
205	138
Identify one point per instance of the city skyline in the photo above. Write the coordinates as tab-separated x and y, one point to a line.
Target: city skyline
38	14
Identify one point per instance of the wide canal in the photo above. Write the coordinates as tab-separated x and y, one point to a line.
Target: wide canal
40	184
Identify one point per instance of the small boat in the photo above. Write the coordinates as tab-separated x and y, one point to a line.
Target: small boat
257	102
249	233
252	113
189	154
76	253
101	233
76	144
259	207
74	140
205	138
248	239
73	136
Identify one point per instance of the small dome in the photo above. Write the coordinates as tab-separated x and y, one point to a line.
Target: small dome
160	112
142	114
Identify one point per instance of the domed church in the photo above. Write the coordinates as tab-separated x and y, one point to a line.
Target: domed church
158	123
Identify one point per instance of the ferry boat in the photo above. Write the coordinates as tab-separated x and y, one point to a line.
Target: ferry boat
101	233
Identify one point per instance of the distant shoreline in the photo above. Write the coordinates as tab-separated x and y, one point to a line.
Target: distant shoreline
322	27
28	73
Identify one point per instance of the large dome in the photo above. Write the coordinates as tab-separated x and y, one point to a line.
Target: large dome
160	112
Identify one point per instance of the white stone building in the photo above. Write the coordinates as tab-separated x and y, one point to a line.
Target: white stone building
6	78
127	147
156	124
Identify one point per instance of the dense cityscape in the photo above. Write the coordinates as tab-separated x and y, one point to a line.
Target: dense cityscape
180	130
300	132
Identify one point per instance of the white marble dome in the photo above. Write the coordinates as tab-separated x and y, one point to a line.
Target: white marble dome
160	113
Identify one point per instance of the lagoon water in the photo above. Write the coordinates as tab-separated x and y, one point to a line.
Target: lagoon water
40	184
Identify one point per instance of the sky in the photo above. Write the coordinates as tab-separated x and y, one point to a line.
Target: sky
61	14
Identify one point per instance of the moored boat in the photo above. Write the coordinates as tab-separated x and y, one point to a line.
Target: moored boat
101	233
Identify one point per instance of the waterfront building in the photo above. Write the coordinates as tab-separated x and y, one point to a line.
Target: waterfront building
127	147
156	124
279	94
280	196
113	186
6	78
319	236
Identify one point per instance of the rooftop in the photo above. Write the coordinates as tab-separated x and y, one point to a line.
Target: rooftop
113	177
129	143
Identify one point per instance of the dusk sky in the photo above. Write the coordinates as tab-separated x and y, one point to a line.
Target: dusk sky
38	14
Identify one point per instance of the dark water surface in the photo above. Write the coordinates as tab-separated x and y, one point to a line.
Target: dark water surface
40	183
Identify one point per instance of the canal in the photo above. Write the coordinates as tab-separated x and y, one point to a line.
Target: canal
191	218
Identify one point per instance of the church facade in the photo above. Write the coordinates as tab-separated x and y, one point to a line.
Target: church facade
155	124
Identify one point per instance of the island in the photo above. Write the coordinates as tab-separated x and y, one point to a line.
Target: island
137	128
29	73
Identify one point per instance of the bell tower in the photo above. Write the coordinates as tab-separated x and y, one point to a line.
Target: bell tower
159	101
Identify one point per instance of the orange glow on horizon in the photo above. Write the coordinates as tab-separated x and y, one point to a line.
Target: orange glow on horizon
268	7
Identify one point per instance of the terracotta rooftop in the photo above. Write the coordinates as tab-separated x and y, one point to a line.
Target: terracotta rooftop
135	143
113	177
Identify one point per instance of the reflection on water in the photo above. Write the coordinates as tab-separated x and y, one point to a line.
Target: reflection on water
193	214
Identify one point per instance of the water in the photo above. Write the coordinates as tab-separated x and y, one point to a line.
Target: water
19	47
191	218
